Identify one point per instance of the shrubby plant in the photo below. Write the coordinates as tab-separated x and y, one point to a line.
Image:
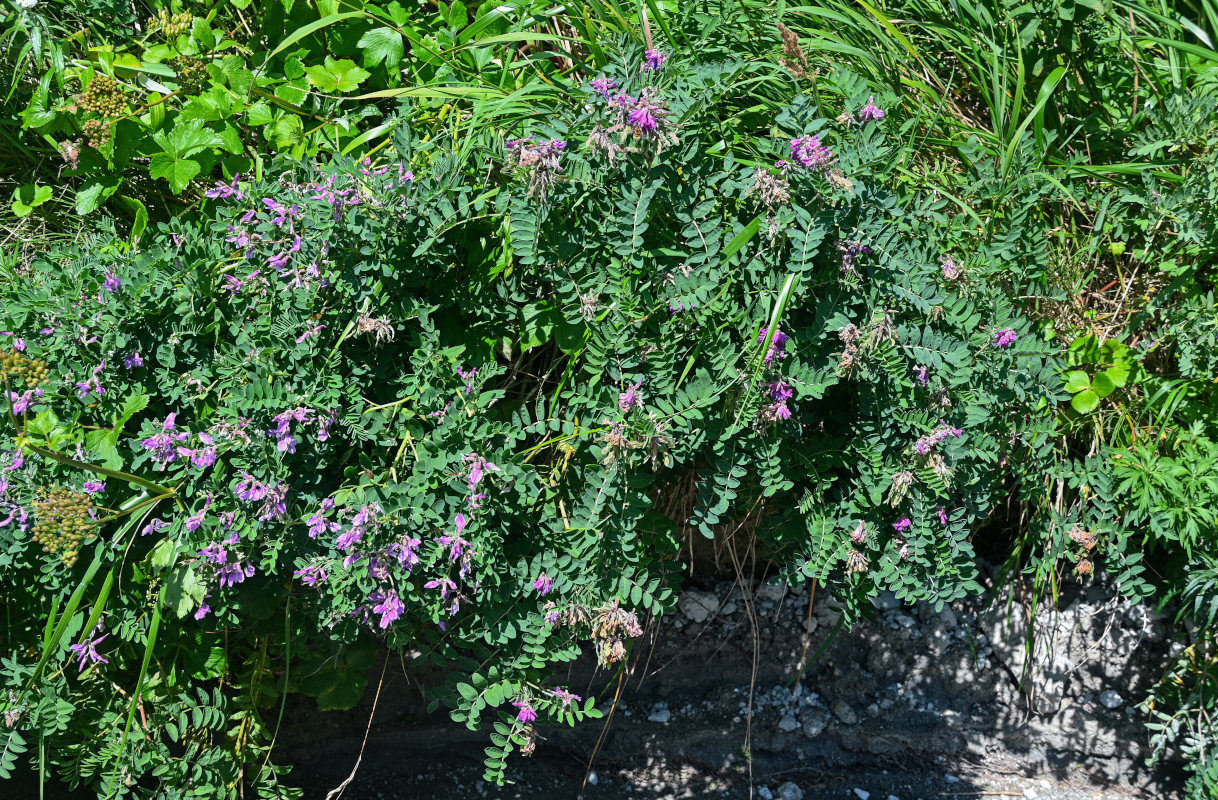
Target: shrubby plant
465	397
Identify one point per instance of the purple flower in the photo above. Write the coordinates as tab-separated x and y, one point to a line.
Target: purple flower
225	190
18	462
630	398
390	607
809	153
164	444
133	360
21	402
153	527
925	444
92	384
942	512
781	392
443	584
565	696
112	284
951	270
311	575
455	544
278	262
602	86
94	487
777	345
461	521
250	489
643	116
526	715
405	552
1005	338
234	573
922	375
87	651
653	60
871	111
203	611
478	468
195	521
203	457
543	584
901	525
468	377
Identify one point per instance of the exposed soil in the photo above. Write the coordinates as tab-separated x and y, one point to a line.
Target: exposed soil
912	704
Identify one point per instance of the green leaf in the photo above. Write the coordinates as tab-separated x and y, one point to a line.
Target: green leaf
95	192
1085	402
184	591
259	114
1077	381
337	76
1103	385
139	215
176	170
187	138
382	46
27	198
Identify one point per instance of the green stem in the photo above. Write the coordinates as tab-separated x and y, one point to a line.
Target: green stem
110	473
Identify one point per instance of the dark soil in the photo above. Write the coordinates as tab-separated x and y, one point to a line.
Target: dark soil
912	704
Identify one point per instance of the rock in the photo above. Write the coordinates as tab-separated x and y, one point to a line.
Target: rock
1029	793
873	710
659	713
771	592
593	778
789	791
697	606
893	797
788	723
906	621
885	601
951	779
1111	700
843	711
861	794
765	794
815	722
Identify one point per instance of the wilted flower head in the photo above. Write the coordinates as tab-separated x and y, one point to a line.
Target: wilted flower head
539	161
375	325
630	398
951	270
771	189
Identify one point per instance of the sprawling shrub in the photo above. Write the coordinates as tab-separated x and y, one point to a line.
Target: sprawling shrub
453	400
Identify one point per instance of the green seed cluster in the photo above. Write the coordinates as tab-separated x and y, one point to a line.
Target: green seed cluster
104	96
97	133
172	25
14	365
64	521
192	74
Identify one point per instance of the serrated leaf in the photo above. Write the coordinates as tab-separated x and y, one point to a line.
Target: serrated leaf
382	46
337	75
176	170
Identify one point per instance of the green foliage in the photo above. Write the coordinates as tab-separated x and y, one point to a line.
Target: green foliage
457	375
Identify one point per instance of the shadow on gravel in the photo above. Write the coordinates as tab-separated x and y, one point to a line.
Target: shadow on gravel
913	704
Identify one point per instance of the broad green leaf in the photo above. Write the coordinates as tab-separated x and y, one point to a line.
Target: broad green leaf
1085	402
1076	381
1103	385
337	75
177	171
95	192
27	198
184	591
186	139
382	46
